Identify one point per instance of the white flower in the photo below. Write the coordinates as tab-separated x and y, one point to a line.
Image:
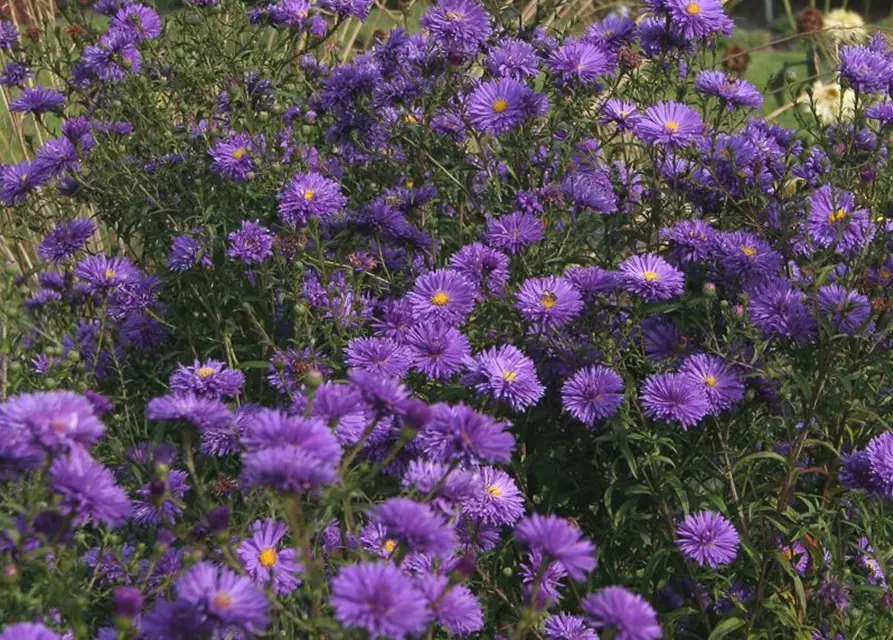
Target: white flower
832	103
844	26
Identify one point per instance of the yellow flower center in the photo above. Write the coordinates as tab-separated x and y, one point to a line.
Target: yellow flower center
440	298
831	93
110	274
692	8
500	105
710	381
205	372
509	376
410	183
222	600
23	178
308	194
837	216
650	276
388	546
410	119
266	557
238	153
671	126
548	299
494	491
884	275
749	251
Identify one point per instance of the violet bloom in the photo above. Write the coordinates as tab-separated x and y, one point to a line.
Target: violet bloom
452	486
267	560
591	281
865	70
672	397
691	241
623	115
855	471
209	378
378	355
18	180
512	58
454	606
650	277
57	421
56	157
138	21
514	232
720	382
202	412
152	506
251	244
698	19
627	613
669	124
8	35
708	539
834	222
499	106
879	455
437	350
309	195
506	374
848	311
548	579
567	627
379	599
88	490
579	62
233	158
37	100
734	92
500	503
458	27
443	295
28	630
187	252
592	394
549	302
558	539
484	267
777	309
882	112
416	526
460	433
223	599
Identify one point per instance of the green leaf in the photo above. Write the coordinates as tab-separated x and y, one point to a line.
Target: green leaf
760	455
725	627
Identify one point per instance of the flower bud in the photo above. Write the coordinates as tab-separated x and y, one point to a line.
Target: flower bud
128	602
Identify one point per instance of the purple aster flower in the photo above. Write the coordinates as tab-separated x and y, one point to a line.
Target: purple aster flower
436	349
309	195
512	58
669	124
579	62
834	222
458	27
88	490
251	244
848	311
650	277
266	560
514	232
707	538
37	100
56	157
138	21
592	394
506	374
558	539
453	486
151	506
443	295
720	382
270	428
460	433
671	397
345	8
57	421
548	302
620	113
777	309
101	273
834	594
591	281
8	35
612	33
200	411
233	158
855	471
416	526
289	13
65	240
567	627
500	503
28	630
18	180
288	469
742	255
223	598
691	241
379	599
113	57
378	355
397	318
486	268
548	579
882	112
14	74
289	368
382	395
879	454
187	252
454	606
210	378
499	106
698	19
865	70
631	617
734	92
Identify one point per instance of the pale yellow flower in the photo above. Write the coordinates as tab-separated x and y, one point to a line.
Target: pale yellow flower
844	26
832	103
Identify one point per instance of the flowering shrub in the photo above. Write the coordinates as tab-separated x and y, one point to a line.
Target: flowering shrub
488	329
